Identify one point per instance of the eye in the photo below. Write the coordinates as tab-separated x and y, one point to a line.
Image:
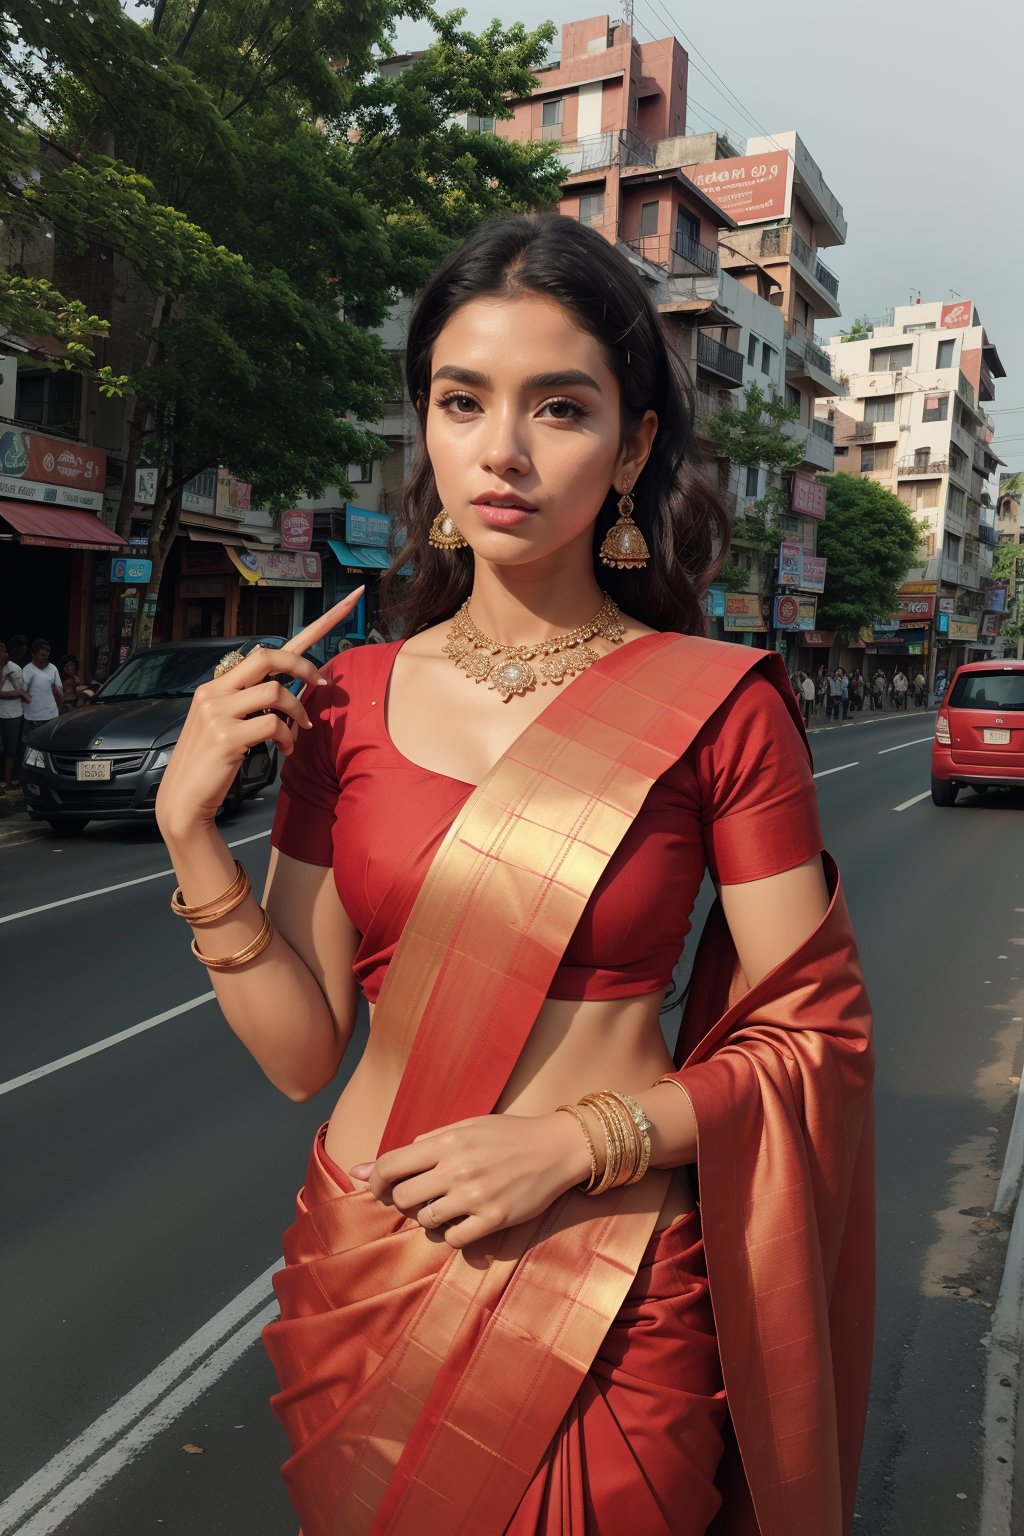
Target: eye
456	404
565	409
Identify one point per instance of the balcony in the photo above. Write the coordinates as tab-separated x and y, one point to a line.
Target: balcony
689	256
784	241
824	429
595	151
722	361
817	445
915	466
988	535
806	360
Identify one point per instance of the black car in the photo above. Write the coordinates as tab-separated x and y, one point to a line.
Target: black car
105	760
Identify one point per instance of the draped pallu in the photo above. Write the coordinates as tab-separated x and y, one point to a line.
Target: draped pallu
421	1388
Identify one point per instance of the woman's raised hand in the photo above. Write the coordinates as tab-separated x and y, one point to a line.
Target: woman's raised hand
234	712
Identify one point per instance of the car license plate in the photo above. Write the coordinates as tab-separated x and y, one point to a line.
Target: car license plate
997	738
95	768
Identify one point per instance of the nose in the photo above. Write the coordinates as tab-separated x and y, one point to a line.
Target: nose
504	450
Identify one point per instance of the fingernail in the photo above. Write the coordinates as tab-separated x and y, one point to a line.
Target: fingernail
307	725
361	1171
323	682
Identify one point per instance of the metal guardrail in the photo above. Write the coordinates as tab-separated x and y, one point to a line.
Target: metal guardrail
824	429
827	278
700	256
912	466
719	358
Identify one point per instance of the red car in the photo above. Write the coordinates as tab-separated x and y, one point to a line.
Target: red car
979	730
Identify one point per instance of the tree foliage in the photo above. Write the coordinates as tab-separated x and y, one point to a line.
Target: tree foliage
870	539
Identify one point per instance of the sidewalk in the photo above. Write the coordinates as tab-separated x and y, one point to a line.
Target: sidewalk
819	722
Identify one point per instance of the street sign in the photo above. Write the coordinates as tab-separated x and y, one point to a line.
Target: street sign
127	569
145	487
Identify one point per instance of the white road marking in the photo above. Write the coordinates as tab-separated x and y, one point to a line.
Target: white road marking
824	772
104	1045
920	740
124	885
142	1413
924	795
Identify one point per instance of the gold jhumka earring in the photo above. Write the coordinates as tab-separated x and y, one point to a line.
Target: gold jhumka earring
444	534
624	546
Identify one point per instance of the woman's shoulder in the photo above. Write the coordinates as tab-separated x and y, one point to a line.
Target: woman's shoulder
361	665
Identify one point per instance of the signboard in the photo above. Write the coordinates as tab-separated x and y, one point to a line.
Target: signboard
278	568
127	568
371	529
915	611
947	604
714	602
815	568
820	639
749	188
234	497
296	529
743	612
807	497
46	469
145	487
791	561
996	597
793	611
8	384
200	493
962	629
942	622
955	316
991	624
918	588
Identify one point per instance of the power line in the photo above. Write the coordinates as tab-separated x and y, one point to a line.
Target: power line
711	118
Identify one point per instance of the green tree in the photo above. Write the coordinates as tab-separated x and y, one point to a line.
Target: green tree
1008	566
860	330
275	192
870	539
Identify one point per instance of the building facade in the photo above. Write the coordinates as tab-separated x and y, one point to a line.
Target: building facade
914	419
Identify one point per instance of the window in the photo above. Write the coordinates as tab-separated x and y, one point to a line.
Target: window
47	399
551	112
591	207
793	397
752	350
648	220
944	354
360	474
753	482
988	690
880	408
768	354
842	453
955	501
957	461
687	226
921	458
952	546
885	359
927	325
920	493
877	458
936	408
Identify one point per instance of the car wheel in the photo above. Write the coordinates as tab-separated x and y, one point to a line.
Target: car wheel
943	792
71	826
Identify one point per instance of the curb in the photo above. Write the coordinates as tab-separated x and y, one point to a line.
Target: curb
875	719
1002	1390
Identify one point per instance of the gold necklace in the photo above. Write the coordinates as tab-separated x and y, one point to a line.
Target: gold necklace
507	667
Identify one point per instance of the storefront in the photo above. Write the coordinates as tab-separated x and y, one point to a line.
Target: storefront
359	560
273	588
51	492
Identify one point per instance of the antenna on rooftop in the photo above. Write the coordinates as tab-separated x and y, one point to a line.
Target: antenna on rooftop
954	295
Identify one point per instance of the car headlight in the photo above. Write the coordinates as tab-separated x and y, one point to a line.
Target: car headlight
34	758
164	756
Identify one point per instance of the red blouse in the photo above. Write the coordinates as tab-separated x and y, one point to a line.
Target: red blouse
740	802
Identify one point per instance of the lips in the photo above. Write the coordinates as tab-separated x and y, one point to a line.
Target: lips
502	509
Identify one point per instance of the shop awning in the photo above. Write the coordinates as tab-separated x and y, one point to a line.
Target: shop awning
359	555
59	527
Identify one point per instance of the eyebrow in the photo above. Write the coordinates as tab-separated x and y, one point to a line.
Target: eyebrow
565	379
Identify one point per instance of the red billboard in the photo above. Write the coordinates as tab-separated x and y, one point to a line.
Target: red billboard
807	497
296	529
915	611
750	188
58	463
956	316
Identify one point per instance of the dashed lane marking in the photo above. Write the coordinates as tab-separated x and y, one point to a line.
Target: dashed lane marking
104	1045
919	741
925	794
123	885
824	772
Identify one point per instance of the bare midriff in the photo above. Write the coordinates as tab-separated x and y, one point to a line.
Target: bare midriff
573	1048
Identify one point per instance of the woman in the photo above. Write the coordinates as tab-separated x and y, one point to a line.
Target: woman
496	1314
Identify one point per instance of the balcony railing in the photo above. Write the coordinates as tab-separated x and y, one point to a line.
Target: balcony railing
988	535
801	250
914	466
863	431
700	256
718	358
827	278
803	347
824	429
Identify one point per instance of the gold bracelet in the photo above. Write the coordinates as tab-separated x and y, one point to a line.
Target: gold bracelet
241	956
644	1128
570	1109
618	1134
609	1152
212	911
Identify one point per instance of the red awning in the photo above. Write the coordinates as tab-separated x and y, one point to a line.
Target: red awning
59	527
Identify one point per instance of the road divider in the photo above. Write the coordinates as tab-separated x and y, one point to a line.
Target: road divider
104	1045
113	1440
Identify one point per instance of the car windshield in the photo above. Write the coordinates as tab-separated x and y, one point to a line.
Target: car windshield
989	690
164	674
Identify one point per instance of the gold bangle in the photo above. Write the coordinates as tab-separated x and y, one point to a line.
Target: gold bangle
218	906
643	1126
570	1109
241	956
618	1137
609	1152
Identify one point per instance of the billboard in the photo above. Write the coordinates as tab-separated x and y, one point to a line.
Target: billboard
49	469
749	188
296	528
743	611
793	611
277	568
962	629
799	569
956	316
807	497
915	611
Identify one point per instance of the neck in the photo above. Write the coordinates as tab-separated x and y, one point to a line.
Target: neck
516	605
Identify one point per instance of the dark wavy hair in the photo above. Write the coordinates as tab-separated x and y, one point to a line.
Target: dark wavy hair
678	510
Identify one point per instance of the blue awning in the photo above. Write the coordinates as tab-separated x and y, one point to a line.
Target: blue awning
363	556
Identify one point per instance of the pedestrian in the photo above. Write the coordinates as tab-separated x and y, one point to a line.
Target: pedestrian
73	689
899	688
940	685
920	689
495	1311
844	691
13	694
878	690
18	650
821	685
835	694
857	692
45	696
807	694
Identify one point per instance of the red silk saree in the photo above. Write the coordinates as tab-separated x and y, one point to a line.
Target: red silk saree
425	1391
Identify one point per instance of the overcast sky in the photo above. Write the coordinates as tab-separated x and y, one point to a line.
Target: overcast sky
913	112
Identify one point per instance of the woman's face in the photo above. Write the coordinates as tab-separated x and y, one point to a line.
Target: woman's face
523	406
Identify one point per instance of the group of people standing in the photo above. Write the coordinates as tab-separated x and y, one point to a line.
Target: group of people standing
842	691
33	691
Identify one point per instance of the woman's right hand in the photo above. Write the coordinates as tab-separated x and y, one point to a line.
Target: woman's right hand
232	713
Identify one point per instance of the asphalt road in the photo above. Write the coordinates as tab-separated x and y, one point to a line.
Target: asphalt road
147	1182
